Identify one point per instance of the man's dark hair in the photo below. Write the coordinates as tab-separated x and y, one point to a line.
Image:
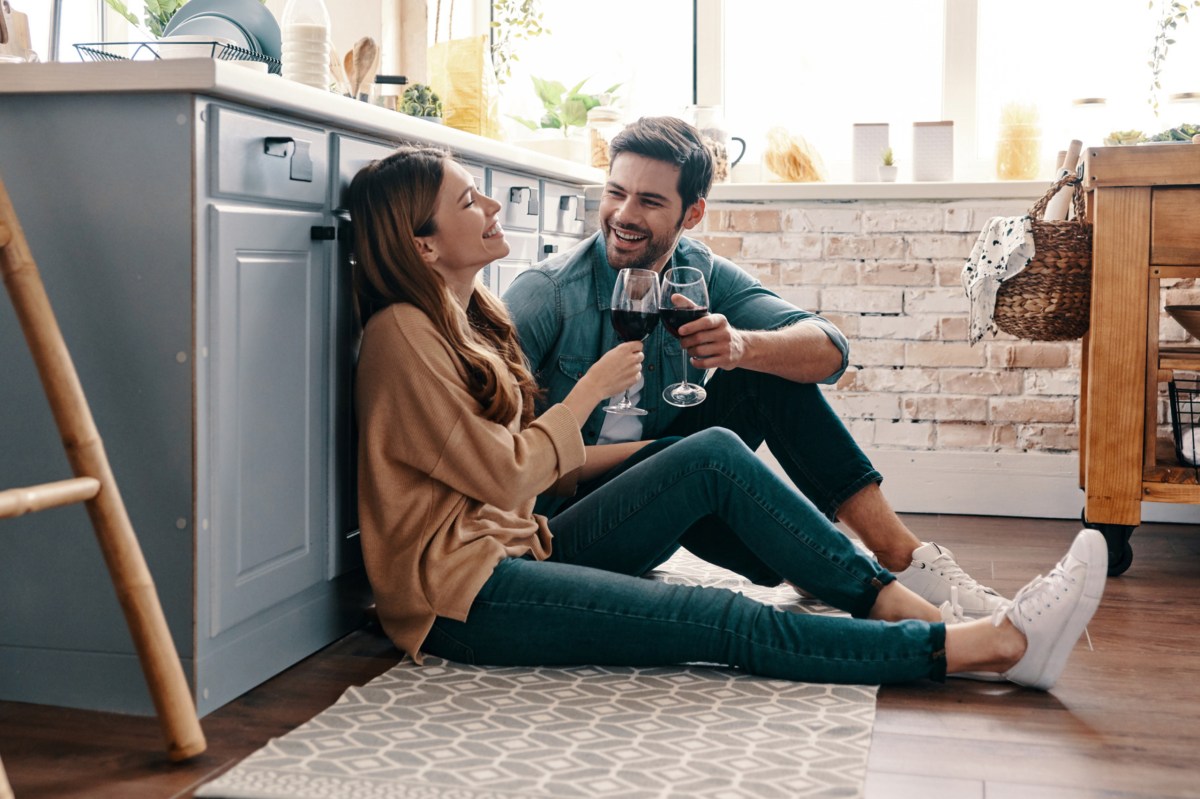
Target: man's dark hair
674	141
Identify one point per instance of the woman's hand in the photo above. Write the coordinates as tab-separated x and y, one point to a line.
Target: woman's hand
616	371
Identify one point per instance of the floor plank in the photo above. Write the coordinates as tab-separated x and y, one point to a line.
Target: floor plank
1120	725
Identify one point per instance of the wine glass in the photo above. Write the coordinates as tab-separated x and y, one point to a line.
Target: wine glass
684	299
634	316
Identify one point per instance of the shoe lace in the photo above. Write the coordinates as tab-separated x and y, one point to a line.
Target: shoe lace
1037	595
951	610
945	565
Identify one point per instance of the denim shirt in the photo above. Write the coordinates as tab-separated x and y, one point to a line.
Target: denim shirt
561	309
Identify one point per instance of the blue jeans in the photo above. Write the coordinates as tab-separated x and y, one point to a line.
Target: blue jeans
588	604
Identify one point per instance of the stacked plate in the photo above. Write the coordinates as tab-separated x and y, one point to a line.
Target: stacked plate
245	24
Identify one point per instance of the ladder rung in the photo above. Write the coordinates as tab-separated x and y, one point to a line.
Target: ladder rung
19	501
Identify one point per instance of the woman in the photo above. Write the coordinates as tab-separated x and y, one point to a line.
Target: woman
452	458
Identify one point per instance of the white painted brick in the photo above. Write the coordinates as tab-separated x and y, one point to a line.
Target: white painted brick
807	297
921	327
831	273
1048	437
896	273
784	247
923	219
935	301
960	219
1052	382
936	353
944	245
949	272
1029	409
975	435
863	300
958	409
865	406
823	220
912	380
887	247
910	435
862	431
877	352
989	382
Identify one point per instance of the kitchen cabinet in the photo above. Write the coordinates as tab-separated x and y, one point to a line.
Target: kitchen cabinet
1145	209
194	245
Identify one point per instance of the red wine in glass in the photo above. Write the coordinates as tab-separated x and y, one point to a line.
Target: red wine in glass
634	325
634	315
675	318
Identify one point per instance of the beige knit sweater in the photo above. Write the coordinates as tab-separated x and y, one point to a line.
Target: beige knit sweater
444	494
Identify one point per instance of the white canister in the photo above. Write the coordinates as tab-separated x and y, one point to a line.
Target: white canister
305	52
870	140
933	150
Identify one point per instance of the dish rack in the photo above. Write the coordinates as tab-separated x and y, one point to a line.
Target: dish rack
145	51
1184	393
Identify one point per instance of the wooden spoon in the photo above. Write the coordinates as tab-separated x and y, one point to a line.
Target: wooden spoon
348	68
364	54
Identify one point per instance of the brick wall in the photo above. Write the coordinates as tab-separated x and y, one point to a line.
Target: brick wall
889	275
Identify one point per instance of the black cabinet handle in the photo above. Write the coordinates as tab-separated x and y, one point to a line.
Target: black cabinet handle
549	249
322	233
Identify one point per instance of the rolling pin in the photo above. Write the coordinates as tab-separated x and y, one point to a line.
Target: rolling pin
1060	204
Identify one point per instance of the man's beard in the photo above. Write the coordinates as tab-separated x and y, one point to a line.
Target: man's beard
652	251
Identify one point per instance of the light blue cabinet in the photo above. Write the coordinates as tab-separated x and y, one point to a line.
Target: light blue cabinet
196	253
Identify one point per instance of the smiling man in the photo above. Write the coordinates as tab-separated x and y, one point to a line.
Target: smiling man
768	355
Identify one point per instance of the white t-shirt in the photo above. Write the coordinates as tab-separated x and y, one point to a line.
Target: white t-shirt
620	427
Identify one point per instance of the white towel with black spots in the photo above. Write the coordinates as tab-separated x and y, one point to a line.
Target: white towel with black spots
1003	249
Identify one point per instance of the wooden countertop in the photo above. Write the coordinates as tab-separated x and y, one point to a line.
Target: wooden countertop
1166	164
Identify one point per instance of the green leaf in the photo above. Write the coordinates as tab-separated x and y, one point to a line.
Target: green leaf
550	92
119	7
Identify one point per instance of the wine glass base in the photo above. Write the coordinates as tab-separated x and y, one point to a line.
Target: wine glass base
684	395
625	410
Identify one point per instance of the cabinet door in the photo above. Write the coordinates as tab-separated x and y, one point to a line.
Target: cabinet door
268	418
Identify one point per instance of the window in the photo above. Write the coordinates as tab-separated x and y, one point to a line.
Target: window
817	68
645	45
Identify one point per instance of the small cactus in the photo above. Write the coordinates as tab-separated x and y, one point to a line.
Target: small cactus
889	158
421	101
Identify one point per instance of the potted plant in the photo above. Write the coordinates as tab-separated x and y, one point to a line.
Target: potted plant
565	109
421	101
887	169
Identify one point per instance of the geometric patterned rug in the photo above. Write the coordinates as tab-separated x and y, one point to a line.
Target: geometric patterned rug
450	731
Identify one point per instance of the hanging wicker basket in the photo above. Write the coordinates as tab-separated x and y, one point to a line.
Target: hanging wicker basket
1050	299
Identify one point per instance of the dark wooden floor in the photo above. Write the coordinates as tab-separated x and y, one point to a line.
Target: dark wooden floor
1124	721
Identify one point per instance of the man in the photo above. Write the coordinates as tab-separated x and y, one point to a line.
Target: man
769	355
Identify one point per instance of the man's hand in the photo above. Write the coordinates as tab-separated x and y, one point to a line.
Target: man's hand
713	343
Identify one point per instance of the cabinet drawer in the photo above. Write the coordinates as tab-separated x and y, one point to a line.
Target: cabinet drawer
265	159
563	209
1175	227
519	197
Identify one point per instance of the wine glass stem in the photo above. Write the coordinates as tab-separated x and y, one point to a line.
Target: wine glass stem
685	363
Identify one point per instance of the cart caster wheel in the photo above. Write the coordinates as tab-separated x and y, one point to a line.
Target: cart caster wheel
1120	551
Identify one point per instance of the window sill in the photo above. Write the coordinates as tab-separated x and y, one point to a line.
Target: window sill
773	192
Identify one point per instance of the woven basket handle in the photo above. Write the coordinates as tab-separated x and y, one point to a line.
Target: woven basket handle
1039	208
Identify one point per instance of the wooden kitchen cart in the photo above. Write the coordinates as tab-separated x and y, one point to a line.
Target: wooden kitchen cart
1145	208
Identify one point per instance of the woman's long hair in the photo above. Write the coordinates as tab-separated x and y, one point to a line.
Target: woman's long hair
392	202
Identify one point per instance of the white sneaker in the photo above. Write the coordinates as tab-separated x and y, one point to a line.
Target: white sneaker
933	574
1052	611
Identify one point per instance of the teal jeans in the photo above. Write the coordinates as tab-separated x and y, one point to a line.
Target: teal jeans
589	603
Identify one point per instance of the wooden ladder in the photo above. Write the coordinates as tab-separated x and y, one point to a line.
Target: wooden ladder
95	486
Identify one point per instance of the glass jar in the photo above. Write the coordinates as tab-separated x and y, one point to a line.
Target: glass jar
1019	146
710	121
603	123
